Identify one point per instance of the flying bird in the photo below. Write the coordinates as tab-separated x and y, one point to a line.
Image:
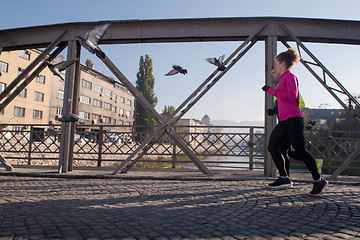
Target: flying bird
219	62
59	67
70	117
90	42
176	69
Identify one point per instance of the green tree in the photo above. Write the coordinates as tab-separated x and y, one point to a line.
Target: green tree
167	111
89	63
145	84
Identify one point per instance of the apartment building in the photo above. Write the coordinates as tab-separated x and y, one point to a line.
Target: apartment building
32	104
201	132
192	130
102	100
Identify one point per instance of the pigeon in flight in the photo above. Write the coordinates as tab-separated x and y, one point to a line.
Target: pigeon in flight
176	69
90	42
59	67
218	62
70	117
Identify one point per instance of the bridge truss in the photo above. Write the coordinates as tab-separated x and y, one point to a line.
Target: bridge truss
248	31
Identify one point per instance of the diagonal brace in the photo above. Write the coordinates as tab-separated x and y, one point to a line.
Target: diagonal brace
190	98
150	109
7	165
33	64
345	164
325	70
28	80
191	104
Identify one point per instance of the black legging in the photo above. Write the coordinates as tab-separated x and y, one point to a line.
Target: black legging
286	153
294	129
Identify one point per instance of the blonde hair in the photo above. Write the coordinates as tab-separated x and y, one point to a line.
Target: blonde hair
290	57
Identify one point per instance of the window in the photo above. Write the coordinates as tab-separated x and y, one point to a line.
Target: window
122	100
127	123
23	93
97	103
108	92
113	121
19	111
59	111
114	97
60	94
113	109
128	114
4	66
129	102
39	96
98	89
121	111
107	120
96	118
40	79
86	84
18	129
37	114
25	54
84	115
2	86
121	122
117	85
107	106
84	99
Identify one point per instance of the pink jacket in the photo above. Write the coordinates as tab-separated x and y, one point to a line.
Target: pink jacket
287	93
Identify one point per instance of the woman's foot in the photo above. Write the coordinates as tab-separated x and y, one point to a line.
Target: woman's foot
281	182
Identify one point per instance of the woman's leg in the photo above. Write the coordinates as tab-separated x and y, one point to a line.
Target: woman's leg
284	148
276	137
295	130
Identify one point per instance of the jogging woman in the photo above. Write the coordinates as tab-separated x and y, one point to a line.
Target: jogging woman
291	123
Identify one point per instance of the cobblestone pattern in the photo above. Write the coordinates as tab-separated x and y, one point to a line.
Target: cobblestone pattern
51	208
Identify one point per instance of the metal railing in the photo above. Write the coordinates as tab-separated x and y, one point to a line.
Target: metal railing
236	147
108	145
225	147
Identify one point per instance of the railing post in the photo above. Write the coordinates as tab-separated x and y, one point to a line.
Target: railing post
30	144
251	149
329	170
101	142
174	155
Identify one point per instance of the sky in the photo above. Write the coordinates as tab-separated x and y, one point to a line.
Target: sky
237	96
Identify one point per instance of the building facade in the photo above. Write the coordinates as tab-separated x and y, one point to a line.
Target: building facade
32	104
101	99
202	132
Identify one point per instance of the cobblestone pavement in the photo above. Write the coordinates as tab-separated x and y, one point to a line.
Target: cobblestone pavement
50	208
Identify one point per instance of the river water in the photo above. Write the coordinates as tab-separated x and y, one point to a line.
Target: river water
229	163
